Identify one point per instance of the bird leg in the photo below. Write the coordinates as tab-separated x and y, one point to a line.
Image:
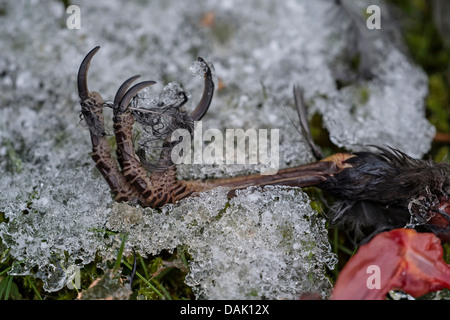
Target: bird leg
92	112
391	186
127	178
130	181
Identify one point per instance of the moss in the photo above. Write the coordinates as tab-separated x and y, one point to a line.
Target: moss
438	102
442	154
13	161
364	95
427	48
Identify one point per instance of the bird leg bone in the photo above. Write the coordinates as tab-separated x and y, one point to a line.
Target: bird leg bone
130	181
92	112
388	178
127	178
355	177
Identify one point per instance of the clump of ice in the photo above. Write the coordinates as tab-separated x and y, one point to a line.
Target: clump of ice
265	244
50	229
198	69
57	204
386	90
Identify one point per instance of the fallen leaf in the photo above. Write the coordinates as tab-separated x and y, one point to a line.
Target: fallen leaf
400	259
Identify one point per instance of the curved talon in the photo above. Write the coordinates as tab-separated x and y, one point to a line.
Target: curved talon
83	91
90	102
123	88
126	99
92	111
208	92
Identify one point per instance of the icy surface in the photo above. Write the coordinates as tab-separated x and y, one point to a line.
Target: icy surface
56	203
384	103
266	244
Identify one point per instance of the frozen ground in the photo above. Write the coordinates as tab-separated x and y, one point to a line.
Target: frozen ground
261	246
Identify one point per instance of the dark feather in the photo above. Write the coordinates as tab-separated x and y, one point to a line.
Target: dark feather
386	190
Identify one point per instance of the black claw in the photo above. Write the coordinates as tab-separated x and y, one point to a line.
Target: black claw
83	91
126	99
133	271
208	92
123	88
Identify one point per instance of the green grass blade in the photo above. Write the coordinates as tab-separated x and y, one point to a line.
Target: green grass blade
120	254
145	280
8	287
36	291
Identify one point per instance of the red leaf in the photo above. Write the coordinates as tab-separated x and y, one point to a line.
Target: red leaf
399	259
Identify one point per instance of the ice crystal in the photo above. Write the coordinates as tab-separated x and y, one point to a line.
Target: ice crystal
265	244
